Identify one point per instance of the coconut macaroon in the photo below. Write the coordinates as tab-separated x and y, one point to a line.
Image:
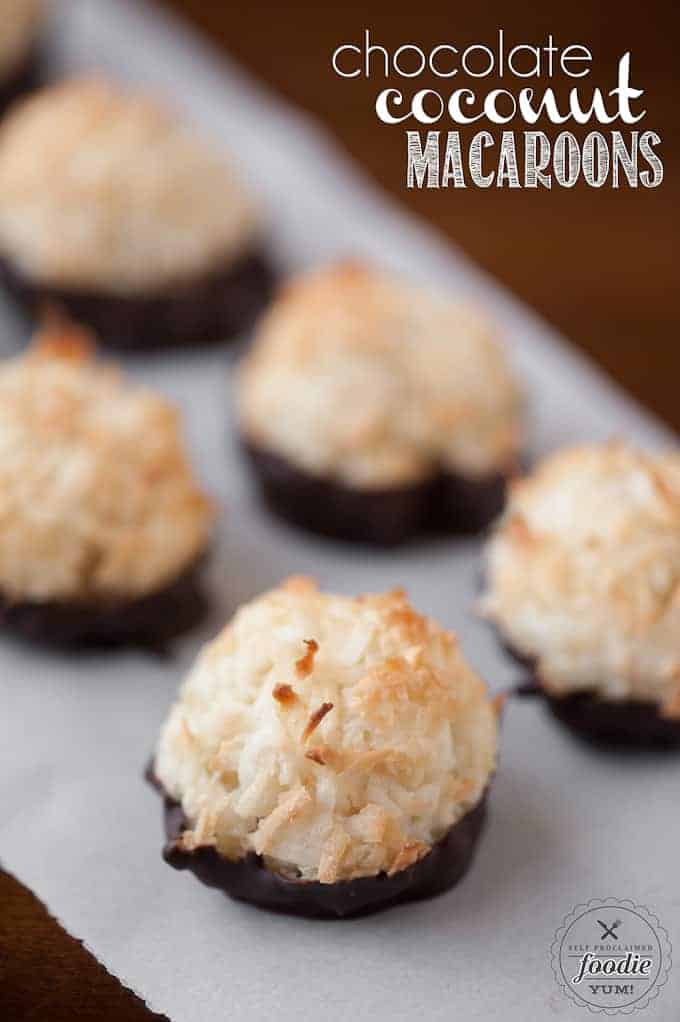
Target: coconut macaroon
584	582
327	755
114	209
21	24
102	522
373	410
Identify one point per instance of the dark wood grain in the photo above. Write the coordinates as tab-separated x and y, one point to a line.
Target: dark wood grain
601	265
48	976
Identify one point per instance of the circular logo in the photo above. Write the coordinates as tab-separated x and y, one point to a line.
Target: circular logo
611	956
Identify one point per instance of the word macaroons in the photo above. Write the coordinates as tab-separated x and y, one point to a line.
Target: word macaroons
531	159
103	524
327	755
583	584
373	410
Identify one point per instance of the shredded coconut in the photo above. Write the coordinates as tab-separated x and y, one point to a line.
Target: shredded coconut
354	767
584	573
101	189
97	499
361	377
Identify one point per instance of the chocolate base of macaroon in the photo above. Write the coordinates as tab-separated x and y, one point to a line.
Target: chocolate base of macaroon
26	76
626	722
146	621
210	308
248	879
447	503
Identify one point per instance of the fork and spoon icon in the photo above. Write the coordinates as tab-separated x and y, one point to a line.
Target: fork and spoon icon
609	931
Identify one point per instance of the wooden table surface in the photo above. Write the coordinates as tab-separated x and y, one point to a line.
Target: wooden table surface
601	265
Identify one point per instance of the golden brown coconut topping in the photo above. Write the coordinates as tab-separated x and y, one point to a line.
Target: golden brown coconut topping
369	379
97	498
584	572
336	737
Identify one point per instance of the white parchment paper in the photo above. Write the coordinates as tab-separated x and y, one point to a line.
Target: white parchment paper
78	825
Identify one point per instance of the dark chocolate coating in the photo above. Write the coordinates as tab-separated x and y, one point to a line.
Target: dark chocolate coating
213	307
25	77
148	620
250	880
628	722
446	503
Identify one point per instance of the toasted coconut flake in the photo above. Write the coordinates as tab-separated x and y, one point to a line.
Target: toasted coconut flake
284	695
329	756
305	665
332	854
409	853
372	823
315	719
288	810
316	755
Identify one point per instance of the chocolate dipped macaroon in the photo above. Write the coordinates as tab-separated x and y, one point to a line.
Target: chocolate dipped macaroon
583	586
372	410
21	27
103	523
327	756
115	211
